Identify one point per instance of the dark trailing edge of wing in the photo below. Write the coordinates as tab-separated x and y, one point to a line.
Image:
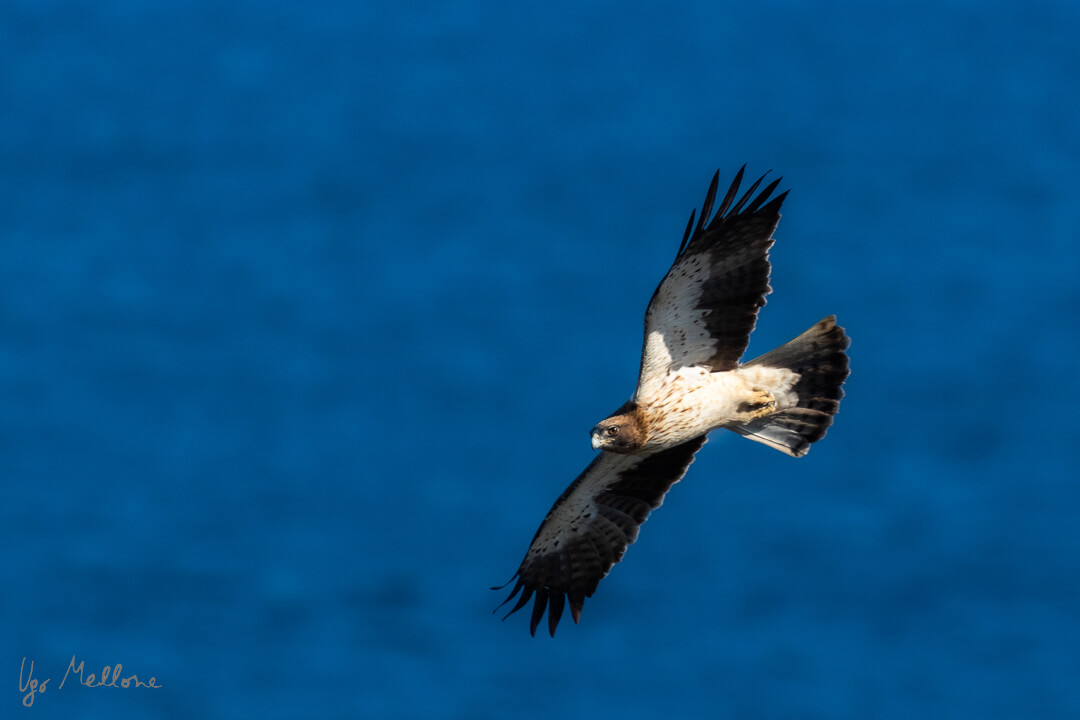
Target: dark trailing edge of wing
569	574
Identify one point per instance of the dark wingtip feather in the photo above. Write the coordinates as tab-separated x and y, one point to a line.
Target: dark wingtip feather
526	593
577	602
726	203
555	610
777	201
538	611
764	195
686	235
508	597
749	192
710	197
500	587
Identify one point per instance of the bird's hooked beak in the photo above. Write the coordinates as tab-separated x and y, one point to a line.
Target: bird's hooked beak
595	437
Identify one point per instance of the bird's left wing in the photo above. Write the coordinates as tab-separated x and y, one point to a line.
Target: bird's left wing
590	526
704	309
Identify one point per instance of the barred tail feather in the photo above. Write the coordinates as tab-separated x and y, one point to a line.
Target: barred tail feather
818	357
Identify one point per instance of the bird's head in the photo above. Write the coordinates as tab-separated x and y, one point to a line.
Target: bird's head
619	433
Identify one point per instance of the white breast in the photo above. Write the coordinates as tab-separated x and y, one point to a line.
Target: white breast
691	401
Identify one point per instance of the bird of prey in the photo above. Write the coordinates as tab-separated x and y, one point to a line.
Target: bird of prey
697	326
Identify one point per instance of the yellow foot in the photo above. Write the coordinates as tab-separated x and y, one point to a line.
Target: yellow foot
759	404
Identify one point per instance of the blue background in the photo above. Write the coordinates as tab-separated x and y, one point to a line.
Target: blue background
306	311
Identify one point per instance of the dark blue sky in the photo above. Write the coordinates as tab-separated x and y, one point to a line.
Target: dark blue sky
307	310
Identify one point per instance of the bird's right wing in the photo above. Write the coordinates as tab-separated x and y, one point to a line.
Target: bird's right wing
590	526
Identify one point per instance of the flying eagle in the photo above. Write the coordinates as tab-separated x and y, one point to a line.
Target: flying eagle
697	326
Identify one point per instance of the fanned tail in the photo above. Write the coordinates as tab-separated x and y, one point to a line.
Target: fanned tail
818	357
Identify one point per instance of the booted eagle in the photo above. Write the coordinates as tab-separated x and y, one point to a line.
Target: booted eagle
697	326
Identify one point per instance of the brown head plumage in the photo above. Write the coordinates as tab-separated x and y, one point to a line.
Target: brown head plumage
624	431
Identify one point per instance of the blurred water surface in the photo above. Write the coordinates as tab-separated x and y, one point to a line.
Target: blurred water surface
306	311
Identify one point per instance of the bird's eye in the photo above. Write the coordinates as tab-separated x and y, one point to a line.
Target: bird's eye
612	430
